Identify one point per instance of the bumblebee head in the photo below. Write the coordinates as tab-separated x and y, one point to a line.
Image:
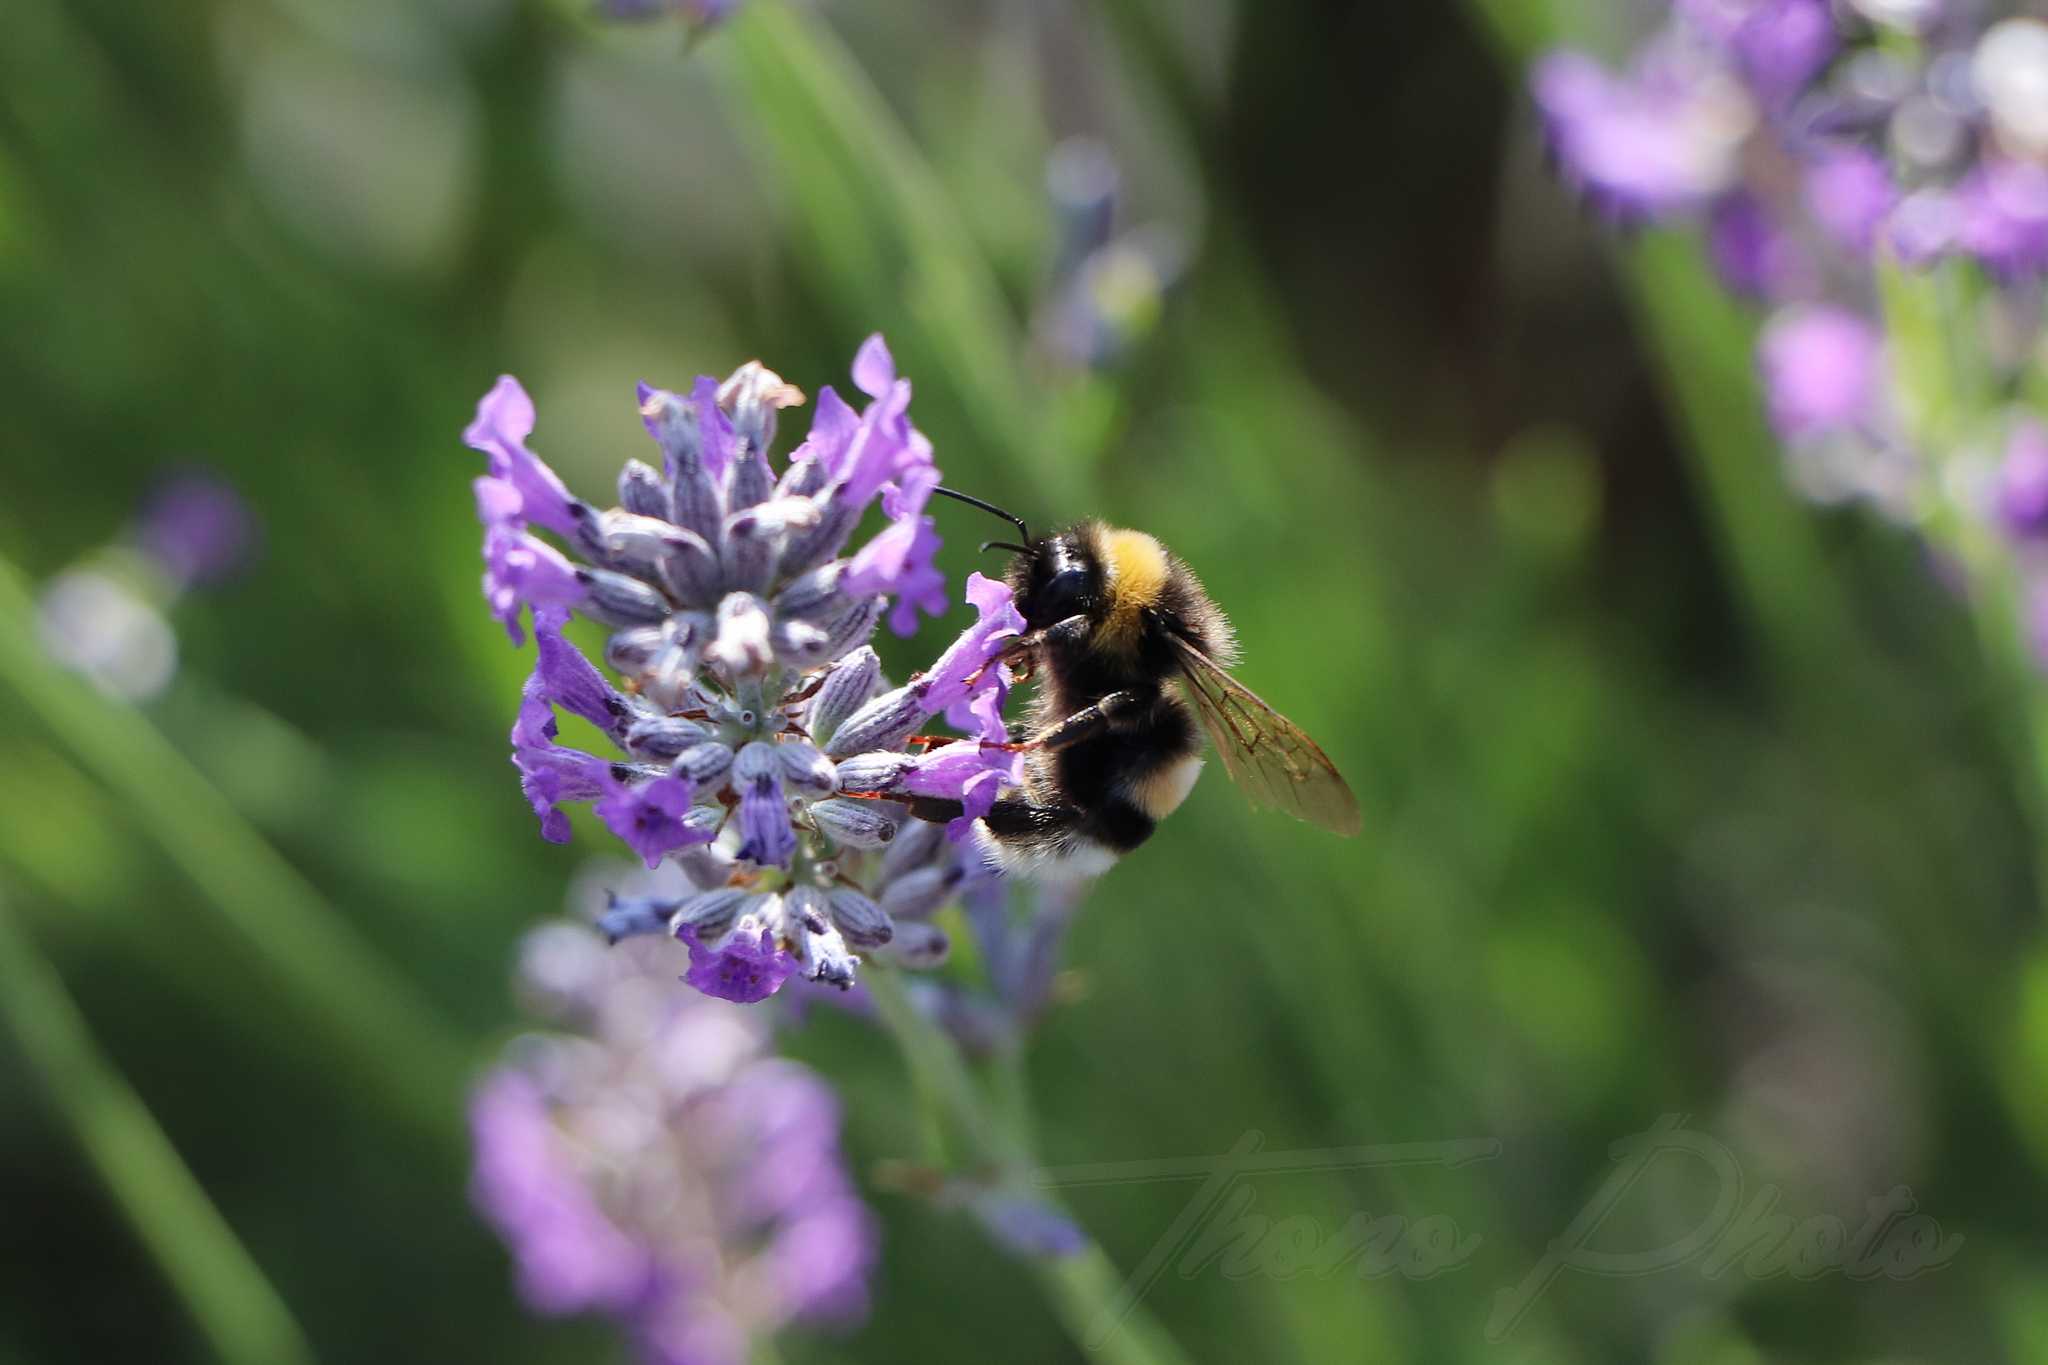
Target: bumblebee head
1052	577
1055	577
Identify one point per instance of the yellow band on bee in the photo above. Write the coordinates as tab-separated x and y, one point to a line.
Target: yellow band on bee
1136	569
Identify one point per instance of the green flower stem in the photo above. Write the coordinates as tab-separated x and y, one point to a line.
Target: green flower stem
1942	398
882	236
1794	599
940	1072
244	1320
1084	1289
374	1017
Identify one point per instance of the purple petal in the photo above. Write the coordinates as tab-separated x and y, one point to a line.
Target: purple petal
504	419
744	970
551	773
997	623
649	817
716	441
874	369
571	680
833	425
521	571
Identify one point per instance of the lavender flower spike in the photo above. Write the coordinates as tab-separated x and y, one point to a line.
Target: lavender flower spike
723	1218
745	692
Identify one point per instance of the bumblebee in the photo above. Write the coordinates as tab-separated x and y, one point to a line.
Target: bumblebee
1130	654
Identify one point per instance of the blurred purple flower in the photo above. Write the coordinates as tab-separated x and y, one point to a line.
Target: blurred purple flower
1753	257
658	1166
2002	217
2023	481
572	1259
1657	142
197	528
1822	370
1781	45
1849	193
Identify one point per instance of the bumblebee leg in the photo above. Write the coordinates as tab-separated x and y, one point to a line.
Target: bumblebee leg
1090	721
1010	817
1021	654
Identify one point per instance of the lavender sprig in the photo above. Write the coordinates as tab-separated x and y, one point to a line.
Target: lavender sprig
753	729
654	1162
1875	173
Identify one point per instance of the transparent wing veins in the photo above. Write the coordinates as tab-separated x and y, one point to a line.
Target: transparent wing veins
1266	754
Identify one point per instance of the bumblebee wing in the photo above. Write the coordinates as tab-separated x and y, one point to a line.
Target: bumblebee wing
1265	753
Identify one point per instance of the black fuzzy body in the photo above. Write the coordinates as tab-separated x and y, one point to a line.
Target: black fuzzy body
1105	635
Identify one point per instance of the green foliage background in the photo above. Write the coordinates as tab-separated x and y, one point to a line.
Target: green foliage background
1681	797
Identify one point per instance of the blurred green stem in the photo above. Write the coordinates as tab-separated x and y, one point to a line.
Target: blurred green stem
1701	339
1085	1289
881	230
374	1017
234	1305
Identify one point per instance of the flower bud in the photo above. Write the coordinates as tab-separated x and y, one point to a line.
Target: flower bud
815	595
710	915
857	824
800	644
634	542
703	763
638	915
805	769
696	503
766	836
855	628
806	549
859	920
877	770
850	683
804	477
752	395
690	569
663	737
917	843
641	491
618	600
882	723
915	895
632	650
918	945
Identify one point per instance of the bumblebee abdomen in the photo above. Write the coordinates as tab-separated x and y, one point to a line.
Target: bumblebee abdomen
1160	792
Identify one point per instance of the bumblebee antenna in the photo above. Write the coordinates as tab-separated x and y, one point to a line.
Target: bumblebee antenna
988	545
992	510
